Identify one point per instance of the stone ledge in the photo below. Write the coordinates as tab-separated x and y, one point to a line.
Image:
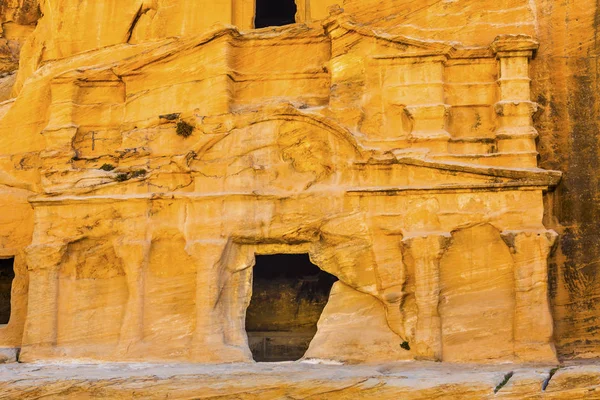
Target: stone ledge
415	380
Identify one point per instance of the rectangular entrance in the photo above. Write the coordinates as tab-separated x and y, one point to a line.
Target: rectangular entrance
7	274
288	297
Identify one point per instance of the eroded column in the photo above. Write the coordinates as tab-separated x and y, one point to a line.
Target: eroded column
406	102
389	269
423	89
134	254
533	320
39	336
423	254
59	134
515	133
209	340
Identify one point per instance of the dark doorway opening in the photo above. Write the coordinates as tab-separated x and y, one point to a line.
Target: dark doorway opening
7	274
274	13
288	297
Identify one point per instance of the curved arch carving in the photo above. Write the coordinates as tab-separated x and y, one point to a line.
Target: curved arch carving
282	113
289	151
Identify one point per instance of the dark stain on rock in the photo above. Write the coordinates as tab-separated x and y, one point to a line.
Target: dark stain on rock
568	89
552	279
579	209
542	100
596	24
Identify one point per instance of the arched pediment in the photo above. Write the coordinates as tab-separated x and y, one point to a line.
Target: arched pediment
289	151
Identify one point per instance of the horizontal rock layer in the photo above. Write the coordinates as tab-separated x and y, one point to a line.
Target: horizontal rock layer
298	381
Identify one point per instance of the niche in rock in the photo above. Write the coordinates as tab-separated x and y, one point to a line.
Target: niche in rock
288	297
7	274
274	13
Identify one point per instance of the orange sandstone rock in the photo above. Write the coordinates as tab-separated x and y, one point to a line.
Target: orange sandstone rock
152	154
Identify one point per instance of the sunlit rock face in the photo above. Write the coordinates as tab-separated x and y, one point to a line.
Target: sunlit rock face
150	157
17	21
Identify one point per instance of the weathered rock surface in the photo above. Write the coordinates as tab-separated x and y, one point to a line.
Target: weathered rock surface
405	168
298	381
17	21
566	83
388	158
353	328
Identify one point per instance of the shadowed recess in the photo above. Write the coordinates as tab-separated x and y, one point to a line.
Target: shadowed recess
274	13
288	297
7	274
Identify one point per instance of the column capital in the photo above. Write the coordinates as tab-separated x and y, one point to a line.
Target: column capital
514	46
419	243
511	237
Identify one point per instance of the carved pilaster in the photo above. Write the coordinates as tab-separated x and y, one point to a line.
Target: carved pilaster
515	132
134	254
533	320
389	267
407	102
61	129
59	134
43	262
423	88
424	253
211	277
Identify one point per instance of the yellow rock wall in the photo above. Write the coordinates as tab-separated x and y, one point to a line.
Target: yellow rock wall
565	83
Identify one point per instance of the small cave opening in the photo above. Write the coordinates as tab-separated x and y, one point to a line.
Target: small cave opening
289	294
7	274
274	13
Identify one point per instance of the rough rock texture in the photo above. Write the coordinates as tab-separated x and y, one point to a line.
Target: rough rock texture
341	330
17	21
566	83
146	170
298	381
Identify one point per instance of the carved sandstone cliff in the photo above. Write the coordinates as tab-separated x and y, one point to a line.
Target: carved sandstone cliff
407	168
399	165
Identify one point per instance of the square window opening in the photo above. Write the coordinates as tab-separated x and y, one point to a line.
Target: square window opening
274	13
